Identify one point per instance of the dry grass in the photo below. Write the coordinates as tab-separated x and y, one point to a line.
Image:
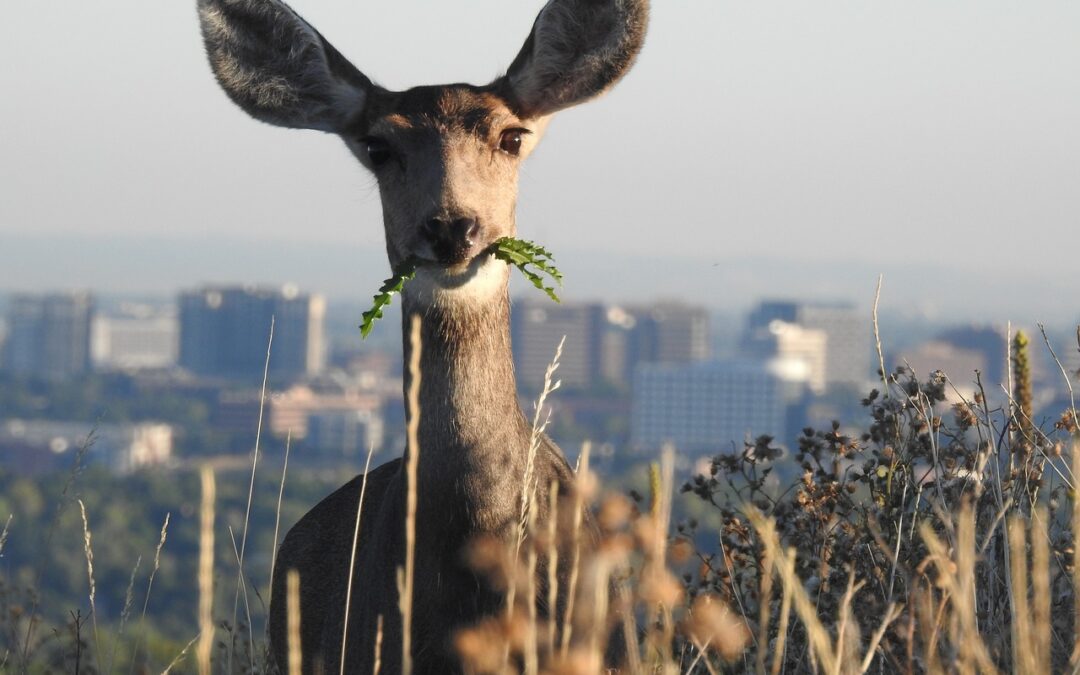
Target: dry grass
292	604
942	539
206	571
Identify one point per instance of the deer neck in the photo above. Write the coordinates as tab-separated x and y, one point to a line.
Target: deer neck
473	438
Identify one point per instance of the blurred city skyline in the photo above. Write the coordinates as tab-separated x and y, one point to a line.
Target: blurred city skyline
755	151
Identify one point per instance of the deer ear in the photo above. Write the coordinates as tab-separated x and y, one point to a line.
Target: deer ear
278	68
577	50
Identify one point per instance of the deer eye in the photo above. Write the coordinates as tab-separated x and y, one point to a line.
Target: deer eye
510	142
378	150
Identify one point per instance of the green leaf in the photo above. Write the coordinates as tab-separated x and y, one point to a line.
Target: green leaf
404	272
533	260
521	254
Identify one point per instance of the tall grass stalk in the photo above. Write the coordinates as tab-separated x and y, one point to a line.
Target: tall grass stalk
292	608
149	587
125	613
654	572
88	549
532	661
821	644
584	486
1023	655
539	425
277	511
352	556
206	570
69	483
378	645
180	656
247	512
788	571
528	487
552	566
877	339
247	604
1064	374
405	576
1040	589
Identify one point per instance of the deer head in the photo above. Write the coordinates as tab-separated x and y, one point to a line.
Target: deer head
445	157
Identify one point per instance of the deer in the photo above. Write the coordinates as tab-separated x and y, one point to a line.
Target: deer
446	161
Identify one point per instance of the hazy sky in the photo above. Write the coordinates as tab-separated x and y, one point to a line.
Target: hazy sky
916	138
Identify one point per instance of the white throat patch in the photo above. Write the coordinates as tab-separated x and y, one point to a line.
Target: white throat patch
482	281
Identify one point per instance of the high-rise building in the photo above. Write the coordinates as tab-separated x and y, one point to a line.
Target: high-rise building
668	333
49	335
604	343
799	353
848	346
660	333
705	407
536	328
224	332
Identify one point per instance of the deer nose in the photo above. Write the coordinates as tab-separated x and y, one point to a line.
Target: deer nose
452	238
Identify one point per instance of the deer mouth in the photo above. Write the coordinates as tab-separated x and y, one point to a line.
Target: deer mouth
458	268
454	258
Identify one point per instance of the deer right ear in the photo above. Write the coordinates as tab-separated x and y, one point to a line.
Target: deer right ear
577	50
278	68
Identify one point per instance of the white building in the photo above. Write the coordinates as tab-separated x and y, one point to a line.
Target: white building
705	407
138	339
794	353
848	331
123	448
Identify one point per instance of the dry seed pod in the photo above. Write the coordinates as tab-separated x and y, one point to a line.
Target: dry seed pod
712	623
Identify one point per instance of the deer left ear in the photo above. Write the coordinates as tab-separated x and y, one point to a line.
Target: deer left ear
278	68
576	51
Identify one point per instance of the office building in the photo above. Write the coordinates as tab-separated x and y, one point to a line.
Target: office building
48	335
668	333
705	407
848	349
537	327
224	332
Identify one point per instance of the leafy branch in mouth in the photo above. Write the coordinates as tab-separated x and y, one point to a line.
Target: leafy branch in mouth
404	272
521	254
517	252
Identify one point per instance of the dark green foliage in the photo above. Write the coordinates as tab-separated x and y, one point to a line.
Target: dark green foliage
125	515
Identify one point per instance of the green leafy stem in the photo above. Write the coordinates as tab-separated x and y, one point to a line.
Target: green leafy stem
533	260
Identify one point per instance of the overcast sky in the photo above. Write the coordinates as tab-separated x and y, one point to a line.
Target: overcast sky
915	138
